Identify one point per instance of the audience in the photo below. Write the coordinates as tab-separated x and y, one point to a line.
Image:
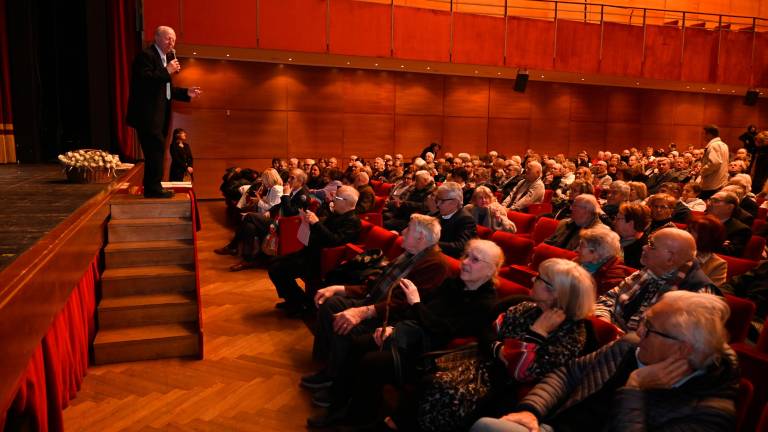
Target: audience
722	206
367	197
599	252
585	213
709	234
632	226
457	226
529	190
662	207
411	200
487	212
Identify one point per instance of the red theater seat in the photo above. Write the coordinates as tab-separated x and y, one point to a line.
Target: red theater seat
543	229
754	248
517	249
540	208
522	274
523	221
737	266
484	232
742	312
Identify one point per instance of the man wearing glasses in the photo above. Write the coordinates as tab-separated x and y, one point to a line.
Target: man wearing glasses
675	373
668	265
722	206
457	225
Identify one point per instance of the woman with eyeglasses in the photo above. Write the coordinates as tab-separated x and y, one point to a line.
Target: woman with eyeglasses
460	307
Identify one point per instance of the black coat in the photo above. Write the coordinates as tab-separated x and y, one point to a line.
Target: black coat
290	204
149	110
737	234
456	232
181	159
335	230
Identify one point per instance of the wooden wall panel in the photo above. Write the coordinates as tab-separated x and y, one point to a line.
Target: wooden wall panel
309	133
255	134
699	55
422	34
577	53
527	52
587	134
506	102
314	89
663	46
618	40
466	97
414	132
624	105
730	110
656	135
687	135
368	91
735	49
508	136
589	103
478	39
550	100
760	69
657	107
163	13
360	28
622	135
465	134
549	136
368	135
419	94
689	109
304	31
230	23
207	130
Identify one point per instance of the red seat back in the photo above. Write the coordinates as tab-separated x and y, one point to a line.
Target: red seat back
484	232
543	229
395	250
506	288
543	252
384	189
540	208
762	212
758	225
378	205
742	312
737	266
379	238
523	221
743	400
517	249
454	265
372	218
605	332
548	195
752	365
754	248
288	241
762	340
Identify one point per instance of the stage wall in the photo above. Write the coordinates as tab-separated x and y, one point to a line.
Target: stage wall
251	112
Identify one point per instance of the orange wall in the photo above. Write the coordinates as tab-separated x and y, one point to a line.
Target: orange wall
251	112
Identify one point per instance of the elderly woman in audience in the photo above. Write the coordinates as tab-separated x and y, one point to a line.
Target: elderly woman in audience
631	225
585	213
662	206
488	212
618	194
690	197
680	212
709	234
459	307
638	192
677	372
599	252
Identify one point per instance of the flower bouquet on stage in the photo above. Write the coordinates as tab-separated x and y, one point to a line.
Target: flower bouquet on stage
89	166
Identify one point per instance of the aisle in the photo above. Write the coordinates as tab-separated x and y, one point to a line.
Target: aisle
248	381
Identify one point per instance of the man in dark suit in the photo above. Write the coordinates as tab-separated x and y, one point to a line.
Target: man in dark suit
457	226
722	205
149	104
342	226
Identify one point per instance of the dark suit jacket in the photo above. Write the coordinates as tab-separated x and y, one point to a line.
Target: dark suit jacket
149	110
290	205
366	200
738	235
181	159
335	230
656	180
456	232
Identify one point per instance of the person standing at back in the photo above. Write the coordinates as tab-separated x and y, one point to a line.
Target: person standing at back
149	104
714	164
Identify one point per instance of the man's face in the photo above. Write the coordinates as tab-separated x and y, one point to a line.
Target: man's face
632	161
658	254
532	173
660	210
657	342
581	213
412	240
719	207
166	40
446	205
663	166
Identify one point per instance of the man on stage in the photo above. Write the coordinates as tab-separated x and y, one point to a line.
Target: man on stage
149	104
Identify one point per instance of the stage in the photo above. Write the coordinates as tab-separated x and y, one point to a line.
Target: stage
34	200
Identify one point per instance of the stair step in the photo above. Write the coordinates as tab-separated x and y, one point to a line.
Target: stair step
134	310
149	253
146	342
149	229
147	280
138	207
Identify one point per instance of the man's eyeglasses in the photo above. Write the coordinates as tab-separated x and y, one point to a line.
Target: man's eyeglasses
442	200
649	329
339	198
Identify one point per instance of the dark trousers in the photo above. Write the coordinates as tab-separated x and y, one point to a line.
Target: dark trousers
253	226
334	348
284	270
707	194
153	147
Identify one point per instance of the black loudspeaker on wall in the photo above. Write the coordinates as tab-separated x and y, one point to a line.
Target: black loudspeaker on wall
751	97
521	81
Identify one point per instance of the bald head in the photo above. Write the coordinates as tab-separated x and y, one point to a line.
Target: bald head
165	38
681	243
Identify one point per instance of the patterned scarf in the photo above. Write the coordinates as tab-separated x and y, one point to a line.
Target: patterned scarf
398	269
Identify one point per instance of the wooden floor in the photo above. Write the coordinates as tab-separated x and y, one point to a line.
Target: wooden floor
249	379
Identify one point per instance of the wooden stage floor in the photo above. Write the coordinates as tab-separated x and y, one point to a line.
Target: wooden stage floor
34	199
249	379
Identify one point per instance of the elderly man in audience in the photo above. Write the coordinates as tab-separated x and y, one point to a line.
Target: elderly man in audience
741	213
367	196
347	311
714	163
457	225
340	227
675	373
530	190
663	175
722	205
618	194
631	224
413	200
488	212
670	264
585	213
690	197
662	206
680	213
599	252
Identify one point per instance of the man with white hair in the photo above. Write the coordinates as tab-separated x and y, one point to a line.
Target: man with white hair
457	225
585	213
367	197
676	373
723	206
413	200
149	104
530	190
669	264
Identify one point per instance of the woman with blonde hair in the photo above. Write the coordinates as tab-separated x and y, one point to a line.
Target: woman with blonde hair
488	212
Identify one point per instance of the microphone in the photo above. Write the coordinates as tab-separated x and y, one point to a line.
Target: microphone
173	54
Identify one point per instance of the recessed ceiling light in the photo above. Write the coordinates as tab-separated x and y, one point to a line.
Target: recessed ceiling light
733	91
542	75
687	86
475	71
290	59
194	52
402	66
637	83
498	73
428	68
227	55
349	62
375	64
582	79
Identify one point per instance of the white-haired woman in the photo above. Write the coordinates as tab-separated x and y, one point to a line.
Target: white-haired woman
488	212
459	307
599	252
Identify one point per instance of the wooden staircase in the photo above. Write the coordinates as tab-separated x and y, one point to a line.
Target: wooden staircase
149	303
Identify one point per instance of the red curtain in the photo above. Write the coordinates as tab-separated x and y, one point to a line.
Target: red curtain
57	368
125	43
7	143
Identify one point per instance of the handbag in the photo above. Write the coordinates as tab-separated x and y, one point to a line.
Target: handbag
454	391
363	267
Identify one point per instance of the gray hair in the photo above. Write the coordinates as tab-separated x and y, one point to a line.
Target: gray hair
349	193
605	242
590	200
743	180
423	174
621	187
426	225
490	251
736	189
698	319
452	190
572	286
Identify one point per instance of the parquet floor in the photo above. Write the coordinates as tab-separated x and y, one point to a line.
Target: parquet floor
248	380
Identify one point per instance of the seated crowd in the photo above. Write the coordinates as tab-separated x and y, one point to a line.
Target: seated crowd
650	230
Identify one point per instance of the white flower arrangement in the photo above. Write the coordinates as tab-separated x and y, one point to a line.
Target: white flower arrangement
85	160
